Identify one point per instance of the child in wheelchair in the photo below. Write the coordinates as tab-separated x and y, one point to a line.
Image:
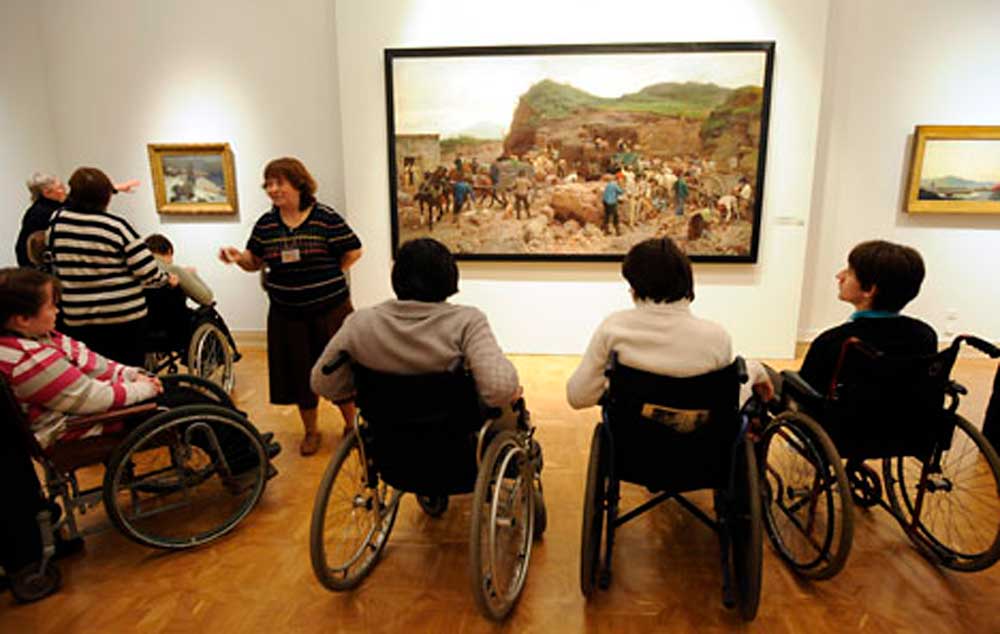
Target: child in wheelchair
420	332
880	279
53	378
660	334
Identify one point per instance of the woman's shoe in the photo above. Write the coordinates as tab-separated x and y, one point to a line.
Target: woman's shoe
310	444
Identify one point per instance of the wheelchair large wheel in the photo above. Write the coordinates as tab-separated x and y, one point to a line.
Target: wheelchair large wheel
351	519
746	532
950	505
185	477
502	530
210	356
808	512
593	513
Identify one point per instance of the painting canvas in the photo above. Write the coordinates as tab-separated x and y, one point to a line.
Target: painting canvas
510	153
193	178
955	169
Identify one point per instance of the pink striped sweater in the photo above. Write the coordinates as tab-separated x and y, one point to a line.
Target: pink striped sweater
56	377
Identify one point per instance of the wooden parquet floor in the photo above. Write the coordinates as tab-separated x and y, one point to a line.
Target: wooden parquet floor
666	573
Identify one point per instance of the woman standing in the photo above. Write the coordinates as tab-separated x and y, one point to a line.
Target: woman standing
305	247
103	266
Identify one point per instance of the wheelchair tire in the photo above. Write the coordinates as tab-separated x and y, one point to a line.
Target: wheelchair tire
214	395
502	528
368	513
210	356
433	505
185	477
30	585
747	533
593	512
808	513
958	525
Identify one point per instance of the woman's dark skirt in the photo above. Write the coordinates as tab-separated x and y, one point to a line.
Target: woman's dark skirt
295	340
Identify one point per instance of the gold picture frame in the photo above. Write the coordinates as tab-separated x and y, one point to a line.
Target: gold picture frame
193	178
955	170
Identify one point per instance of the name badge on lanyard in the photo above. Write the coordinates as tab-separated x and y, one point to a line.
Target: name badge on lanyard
290	250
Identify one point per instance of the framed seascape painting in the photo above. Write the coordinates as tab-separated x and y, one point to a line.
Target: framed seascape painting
193	178
955	170
578	152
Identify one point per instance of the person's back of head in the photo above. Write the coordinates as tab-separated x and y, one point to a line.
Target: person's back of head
658	271
159	244
894	270
424	271
90	189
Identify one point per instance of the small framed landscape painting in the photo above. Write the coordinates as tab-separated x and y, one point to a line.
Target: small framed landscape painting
578	152
955	170
193	178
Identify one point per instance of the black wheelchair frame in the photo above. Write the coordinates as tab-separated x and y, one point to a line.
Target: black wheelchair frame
429	434
657	431
902	411
155	470
196	338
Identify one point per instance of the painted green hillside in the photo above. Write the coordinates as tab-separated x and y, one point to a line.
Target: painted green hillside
552	100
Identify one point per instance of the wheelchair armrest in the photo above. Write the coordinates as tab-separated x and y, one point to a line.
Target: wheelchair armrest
112	416
801	390
339	360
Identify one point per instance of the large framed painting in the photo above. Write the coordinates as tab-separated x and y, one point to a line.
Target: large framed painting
193	178
955	170
578	152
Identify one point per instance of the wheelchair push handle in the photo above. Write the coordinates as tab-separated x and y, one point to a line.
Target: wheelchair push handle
339	360
982	345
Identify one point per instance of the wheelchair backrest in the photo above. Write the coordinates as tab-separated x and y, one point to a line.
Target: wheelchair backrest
885	405
14	424
671	433
168	320
421	429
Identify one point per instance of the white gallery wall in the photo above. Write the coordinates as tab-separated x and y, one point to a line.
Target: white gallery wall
120	74
26	140
894	64
554	307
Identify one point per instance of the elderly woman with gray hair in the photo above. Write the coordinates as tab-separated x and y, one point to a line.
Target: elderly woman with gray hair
48	193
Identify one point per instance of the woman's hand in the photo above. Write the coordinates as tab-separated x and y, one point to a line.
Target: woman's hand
229	255
764	390
127	187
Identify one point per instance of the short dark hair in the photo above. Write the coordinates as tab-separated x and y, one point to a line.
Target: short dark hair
90	189
159	244
895	270
425	271
657	270
292	170
22	291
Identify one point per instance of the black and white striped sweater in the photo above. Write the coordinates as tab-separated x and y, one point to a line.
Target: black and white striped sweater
103	265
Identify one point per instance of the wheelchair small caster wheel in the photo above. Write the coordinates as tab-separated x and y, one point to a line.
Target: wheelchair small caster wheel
31	585
433	505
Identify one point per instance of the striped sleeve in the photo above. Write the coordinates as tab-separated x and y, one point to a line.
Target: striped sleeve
86	360
340	237
45	378
140	260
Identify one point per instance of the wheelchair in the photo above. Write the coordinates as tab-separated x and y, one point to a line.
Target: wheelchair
940	478
198	339
174	477
429	434
672	436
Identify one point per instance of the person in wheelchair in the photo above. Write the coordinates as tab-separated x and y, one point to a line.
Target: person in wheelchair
880	279
189	282
52	375
420	332
660	335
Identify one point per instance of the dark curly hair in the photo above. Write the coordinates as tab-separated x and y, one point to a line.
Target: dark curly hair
657	270
895	270
425	271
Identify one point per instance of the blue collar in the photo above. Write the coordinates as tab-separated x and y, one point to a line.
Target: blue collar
873	314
